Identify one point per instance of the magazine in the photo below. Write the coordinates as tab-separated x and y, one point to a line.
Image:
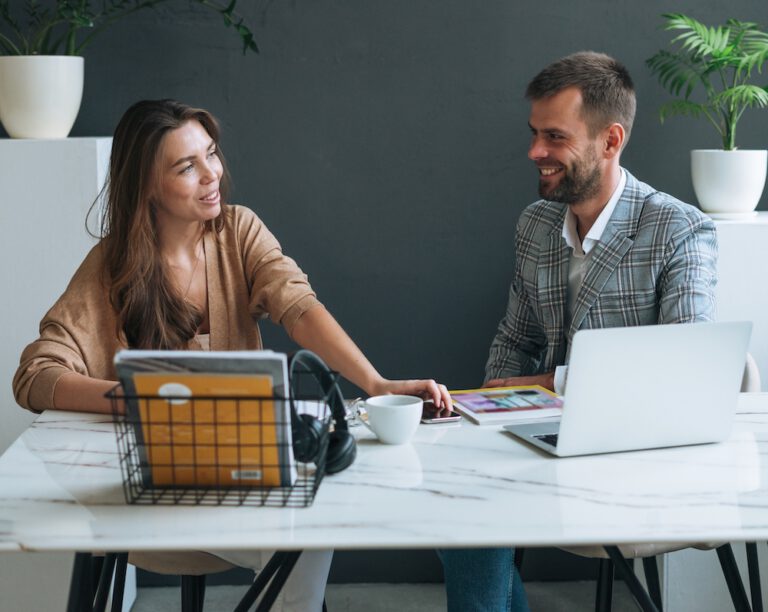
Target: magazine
252	443
507	404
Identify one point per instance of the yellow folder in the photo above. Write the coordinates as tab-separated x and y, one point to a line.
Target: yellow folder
209	442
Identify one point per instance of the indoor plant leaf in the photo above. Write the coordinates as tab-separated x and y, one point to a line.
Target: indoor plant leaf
69	25
716	64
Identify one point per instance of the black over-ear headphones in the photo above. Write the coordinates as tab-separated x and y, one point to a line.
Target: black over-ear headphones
307	430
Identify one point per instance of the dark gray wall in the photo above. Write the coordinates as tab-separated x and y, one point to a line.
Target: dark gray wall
384	143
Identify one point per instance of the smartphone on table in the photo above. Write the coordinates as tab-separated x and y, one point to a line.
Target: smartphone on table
430	415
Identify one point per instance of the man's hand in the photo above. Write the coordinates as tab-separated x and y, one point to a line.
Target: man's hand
545	380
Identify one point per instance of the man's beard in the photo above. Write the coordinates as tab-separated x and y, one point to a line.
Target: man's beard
580	182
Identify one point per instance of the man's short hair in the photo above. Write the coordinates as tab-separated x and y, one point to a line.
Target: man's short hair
607	91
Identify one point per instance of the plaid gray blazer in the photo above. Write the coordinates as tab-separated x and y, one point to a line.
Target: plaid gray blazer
655	263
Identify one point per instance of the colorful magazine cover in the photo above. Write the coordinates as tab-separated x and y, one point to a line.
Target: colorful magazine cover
507	404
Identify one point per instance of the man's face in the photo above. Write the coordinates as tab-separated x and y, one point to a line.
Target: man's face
570	168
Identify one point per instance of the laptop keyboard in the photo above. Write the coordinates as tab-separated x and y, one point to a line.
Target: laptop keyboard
550	439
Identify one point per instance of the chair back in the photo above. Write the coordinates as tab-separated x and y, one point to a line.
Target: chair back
750	382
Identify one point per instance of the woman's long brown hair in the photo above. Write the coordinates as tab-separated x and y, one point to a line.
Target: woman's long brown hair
151	314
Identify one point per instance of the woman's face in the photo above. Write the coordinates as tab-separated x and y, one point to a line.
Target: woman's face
189	172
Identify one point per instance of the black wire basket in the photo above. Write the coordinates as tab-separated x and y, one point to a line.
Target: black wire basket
216	450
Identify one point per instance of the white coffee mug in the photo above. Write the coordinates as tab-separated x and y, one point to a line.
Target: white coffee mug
393	418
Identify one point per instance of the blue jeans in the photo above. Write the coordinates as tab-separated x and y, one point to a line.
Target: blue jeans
482	580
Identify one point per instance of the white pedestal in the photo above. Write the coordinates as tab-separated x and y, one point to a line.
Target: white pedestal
742	287
46	189
693	580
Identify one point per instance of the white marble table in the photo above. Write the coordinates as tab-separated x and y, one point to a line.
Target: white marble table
456	485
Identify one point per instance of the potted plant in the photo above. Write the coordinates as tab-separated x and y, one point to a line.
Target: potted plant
712	73
41	69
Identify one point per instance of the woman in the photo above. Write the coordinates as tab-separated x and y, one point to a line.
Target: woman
176	268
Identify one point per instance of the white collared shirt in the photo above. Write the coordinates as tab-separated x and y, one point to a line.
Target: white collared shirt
571	234
580	257
580	251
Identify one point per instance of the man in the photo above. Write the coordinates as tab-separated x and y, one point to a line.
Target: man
600	249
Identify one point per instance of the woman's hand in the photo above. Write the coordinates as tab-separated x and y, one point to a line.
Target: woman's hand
425	389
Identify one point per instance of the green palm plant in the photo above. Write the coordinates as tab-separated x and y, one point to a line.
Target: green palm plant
65	27
723	61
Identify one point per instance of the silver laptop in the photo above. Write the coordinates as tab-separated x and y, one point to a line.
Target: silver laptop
632	388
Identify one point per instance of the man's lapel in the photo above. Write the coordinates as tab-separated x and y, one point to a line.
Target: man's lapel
552	281
616	240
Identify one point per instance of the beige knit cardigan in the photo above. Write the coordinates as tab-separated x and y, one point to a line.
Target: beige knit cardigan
248	279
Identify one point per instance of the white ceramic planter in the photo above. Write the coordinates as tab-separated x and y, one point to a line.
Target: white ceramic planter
40	94
728	182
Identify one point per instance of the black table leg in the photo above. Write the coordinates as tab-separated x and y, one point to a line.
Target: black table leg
121	566
271	569
733	578
91	581
105	581
754	577
81	584
651	570
519	555
630	579
604	595
192	593
278	582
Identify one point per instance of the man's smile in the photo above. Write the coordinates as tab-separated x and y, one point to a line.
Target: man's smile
548	171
